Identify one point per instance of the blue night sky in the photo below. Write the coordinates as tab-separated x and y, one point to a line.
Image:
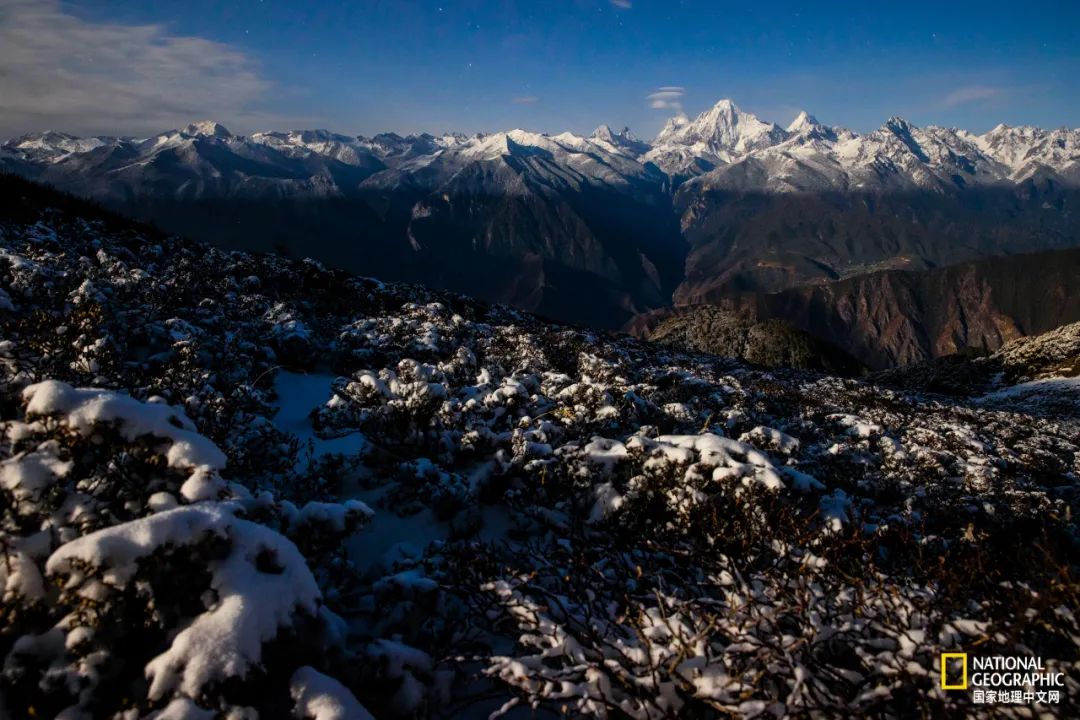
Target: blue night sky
471	65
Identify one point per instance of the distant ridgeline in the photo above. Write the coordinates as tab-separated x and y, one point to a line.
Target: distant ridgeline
724	208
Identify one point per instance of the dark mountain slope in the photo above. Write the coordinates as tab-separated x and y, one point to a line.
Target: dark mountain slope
900	317
767	242
509	230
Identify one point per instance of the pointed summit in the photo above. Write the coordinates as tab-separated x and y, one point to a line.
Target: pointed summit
899	126
805	129
623	140
604	132
725	130
672	126
903	131
803	122
207	128
723	114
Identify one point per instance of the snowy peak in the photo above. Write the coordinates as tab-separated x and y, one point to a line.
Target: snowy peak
718	135
804	122
207	128
515	142
898	126
806	131
728	126
905	132
50	146
605	133
672	126
623	141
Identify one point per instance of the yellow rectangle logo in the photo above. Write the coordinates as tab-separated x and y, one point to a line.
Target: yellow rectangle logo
945	658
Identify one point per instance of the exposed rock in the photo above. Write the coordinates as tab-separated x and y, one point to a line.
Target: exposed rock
772	343
1027	361
897	317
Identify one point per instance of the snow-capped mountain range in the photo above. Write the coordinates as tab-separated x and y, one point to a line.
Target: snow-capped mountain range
596	229
723	147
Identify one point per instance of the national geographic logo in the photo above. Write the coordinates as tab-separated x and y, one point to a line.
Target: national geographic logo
1002	679
954	671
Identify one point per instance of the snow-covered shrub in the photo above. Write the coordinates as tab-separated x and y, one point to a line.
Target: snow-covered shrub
747	611
570	520
136	577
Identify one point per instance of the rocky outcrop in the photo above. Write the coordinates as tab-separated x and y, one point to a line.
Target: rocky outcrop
1028	361
894	318
772	343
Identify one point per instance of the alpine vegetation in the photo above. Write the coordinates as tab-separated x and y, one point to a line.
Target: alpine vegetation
243	486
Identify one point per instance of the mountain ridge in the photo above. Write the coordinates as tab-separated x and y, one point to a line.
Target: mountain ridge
722	135
592	229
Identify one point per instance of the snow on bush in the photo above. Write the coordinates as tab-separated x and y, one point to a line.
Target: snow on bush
199	589
555	519
319	697
81	410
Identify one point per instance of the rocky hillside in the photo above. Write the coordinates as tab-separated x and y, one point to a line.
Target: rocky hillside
242	486
1042	370
767	242
900	317
772	343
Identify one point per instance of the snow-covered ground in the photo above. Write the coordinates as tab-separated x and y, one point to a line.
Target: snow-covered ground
495	511
297	396
1048	386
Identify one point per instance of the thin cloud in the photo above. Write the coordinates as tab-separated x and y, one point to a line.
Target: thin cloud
525	100
668	97
64	73
623	4
972	94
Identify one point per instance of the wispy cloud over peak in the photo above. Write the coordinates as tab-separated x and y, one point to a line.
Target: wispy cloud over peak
668	97
972	94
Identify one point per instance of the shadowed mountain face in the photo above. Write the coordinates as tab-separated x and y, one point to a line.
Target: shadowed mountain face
587	253
595	230
769	242
897	317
